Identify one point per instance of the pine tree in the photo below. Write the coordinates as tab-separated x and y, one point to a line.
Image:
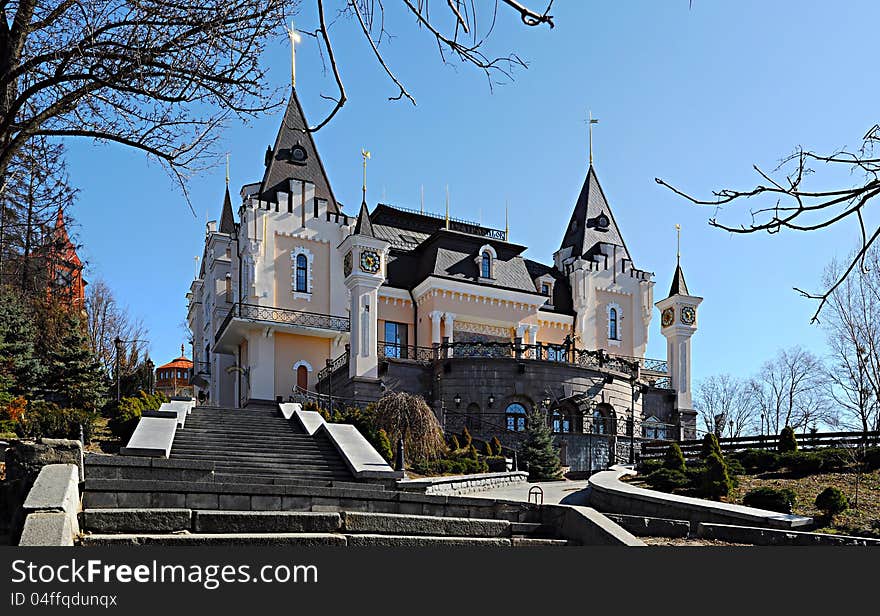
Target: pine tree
674	459
539	450
20	370
710	446
74	372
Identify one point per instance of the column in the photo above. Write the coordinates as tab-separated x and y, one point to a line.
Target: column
518	341
435	326
449	319
261	357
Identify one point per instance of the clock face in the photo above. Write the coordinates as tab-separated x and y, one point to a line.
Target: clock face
688	315
346	264
298	155
667	317
370	261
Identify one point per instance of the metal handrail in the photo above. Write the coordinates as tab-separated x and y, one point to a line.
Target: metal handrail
288	316
333	366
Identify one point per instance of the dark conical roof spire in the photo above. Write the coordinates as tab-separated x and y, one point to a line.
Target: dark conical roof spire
592	222
227	220
295	157
364	226
679	286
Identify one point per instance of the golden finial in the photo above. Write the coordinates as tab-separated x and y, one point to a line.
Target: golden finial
447	206
182	351
366	156
227	169
678	245
294	39
590	123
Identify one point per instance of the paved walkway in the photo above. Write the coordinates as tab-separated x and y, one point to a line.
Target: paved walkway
569	492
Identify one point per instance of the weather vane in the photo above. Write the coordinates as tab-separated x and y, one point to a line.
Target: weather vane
590	122
366	156
294	39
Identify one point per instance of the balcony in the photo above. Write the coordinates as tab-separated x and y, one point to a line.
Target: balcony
244	316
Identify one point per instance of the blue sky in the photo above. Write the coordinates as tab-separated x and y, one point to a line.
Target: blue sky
693	96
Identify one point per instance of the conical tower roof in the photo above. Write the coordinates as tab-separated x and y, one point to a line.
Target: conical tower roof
592	221
294	156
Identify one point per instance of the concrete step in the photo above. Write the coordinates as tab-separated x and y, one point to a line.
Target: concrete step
280	463
289	539
400	524
232	455
529	542
223	539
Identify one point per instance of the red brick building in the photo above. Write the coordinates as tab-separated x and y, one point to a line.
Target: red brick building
64	267
173	378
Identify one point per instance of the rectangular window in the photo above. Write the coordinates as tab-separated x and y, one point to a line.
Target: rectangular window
395	340
545	289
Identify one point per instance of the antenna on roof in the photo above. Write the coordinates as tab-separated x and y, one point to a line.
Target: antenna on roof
422	202
506	222
447	206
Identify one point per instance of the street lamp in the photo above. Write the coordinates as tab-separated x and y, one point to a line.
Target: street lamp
150	367
731	428
457	400
546	401
491	400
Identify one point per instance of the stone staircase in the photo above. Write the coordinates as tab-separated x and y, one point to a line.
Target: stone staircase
275	528
257	442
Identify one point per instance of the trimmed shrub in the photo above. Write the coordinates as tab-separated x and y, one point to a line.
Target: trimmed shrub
787	440
781	501
496	447
454	445
734	467
466	437
666	480
803	462
715	480
646	467
674	459
710	446
835	459
125	417
48	420
759	460
384	446
832	501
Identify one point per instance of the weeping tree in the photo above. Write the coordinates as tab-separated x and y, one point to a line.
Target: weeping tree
408	416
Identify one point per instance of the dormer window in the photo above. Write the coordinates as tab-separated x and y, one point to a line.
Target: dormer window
544	286
545	289
486	263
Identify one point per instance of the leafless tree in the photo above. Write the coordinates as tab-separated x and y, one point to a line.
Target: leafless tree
726	405
789	390
107	320
852	326
37	187
162	76
805	193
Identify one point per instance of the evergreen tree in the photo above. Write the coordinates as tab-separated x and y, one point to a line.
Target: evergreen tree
20	370
787	440
539	450
710	446
74	373
674	459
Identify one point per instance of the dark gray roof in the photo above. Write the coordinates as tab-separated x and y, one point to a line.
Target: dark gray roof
561	300
679	286
585	230
364	226
281	167
227	220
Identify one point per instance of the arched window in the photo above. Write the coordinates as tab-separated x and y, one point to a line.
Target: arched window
612	324
302	274
515	416
486	265
603	420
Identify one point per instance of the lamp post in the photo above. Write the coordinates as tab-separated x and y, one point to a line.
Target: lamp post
730	423
150	367
457	400
330	386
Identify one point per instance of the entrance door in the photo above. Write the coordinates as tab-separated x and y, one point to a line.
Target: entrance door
302	378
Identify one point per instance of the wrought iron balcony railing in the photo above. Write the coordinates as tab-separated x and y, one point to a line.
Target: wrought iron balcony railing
333	366
285	316
647	364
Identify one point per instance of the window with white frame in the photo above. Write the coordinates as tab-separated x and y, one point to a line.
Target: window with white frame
486	262
301	260
615	315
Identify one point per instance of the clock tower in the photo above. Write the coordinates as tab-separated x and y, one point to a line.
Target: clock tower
678	322
364	261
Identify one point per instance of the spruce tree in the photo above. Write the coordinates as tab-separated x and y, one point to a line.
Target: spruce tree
74	372
20	369
539	450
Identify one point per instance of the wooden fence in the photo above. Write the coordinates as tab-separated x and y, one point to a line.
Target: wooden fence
808	441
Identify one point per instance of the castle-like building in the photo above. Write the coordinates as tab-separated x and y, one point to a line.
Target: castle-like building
297	298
